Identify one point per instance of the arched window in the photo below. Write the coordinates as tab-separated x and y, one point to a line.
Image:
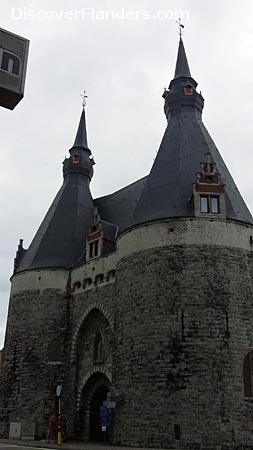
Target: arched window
111	275
248	374
98	348
99	279
76	285
87	283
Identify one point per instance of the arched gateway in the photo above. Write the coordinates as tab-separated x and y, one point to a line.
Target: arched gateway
93	395
92	363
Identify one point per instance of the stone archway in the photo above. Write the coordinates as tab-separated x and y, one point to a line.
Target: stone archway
99	396
93	394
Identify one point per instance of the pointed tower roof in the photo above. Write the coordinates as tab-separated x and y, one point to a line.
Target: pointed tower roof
81	135
182	66
185	143
61	238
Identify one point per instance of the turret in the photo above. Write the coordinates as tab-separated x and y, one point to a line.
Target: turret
61	239
80	160
184	147
183	334
182	89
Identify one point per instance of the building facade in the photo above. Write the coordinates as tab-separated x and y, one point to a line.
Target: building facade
142	298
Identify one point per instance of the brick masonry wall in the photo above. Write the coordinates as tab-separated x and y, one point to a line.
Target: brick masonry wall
183	326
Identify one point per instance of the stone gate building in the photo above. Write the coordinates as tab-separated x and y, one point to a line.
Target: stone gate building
143	297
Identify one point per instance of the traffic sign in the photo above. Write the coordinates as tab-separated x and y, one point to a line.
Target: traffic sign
58	390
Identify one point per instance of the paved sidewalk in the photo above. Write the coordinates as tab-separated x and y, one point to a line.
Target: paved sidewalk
72	445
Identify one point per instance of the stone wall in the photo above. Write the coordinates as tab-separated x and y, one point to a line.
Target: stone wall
51	324
36	345
176	323
183	327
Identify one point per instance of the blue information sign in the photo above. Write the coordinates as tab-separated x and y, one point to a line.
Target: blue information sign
105	416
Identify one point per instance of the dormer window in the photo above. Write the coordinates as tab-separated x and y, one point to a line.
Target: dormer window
76	159
93	249
188	90
204	204
214	201
209	204
209	191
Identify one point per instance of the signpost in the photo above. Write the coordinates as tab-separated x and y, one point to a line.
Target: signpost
58	394
13	63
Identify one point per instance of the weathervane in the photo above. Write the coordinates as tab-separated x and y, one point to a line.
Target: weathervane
84	97
180	26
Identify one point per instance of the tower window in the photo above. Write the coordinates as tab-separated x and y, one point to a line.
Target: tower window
76	285
215	205
87	282
99	279
93	249
209	204
204	203
111	275
76	159
188	90
248	374
98	348
177	431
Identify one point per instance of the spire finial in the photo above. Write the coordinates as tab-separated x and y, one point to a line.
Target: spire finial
84	97
180	27
182	67
81	135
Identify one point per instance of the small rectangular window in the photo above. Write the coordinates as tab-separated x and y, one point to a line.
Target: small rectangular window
177	431
188	90
204	204
91	250
76	159
215	205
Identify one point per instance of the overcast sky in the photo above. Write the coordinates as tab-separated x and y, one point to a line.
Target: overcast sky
123	54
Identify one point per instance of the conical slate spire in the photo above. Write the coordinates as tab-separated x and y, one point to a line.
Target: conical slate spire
60	239
182	66
184	146
81	135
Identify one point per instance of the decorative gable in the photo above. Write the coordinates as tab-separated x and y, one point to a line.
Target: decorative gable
101	238
209	192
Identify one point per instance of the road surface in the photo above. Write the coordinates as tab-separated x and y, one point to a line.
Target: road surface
20	447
